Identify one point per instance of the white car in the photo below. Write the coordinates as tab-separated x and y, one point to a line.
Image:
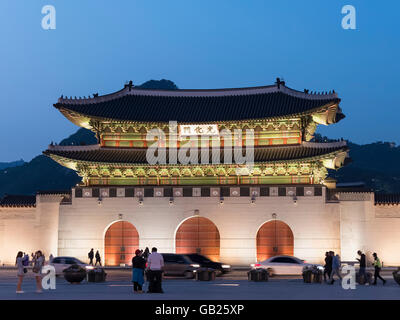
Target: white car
284	265
61	263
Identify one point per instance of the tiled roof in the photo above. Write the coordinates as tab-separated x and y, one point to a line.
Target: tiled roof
148	105
138	156
382	198
18	201
54	192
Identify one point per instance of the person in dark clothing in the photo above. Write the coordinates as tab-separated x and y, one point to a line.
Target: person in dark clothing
363	265
326	268
328	264
146	253
138	266
378	267
91	256
98	259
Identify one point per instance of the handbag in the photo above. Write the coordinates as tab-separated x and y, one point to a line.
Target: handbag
25	270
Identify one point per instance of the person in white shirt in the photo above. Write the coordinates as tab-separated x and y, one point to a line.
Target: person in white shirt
155	265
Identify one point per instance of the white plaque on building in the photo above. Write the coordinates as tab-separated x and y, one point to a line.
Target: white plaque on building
178	192
190	130
139	192
196	192
214	192
86	192
120	192
273	191
104	193
158	192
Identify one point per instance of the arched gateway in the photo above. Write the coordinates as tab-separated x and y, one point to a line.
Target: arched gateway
274	238
198	235
121	241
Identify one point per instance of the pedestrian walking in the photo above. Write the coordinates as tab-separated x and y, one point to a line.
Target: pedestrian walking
21	271
38	263
155	264
327	266
91	256
51	257
378	267
98	258
363	265
336	263
138	266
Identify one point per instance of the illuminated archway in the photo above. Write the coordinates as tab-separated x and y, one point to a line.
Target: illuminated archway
120	242
274	238
198	235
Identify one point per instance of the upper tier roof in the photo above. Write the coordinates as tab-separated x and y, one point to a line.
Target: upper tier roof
149	105
95	153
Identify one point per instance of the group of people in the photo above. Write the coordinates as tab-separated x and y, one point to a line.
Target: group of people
22	261
333	264
153	264
91	255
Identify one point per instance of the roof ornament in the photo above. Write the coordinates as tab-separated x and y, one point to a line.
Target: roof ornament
306	91
279	82
129	85
95	95
61	97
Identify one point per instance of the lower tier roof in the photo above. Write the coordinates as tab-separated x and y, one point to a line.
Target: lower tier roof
117	155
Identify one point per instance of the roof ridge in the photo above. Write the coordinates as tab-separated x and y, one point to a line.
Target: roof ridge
132	90
73	148
309	144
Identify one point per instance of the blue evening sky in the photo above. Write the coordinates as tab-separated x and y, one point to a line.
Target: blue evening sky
98	45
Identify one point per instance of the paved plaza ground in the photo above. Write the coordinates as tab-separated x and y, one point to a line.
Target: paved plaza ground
234	286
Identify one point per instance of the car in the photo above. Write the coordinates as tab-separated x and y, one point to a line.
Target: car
61	263
284	265
179	265
204	262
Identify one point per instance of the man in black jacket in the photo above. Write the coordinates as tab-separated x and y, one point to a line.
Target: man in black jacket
363	265
91	256
328	265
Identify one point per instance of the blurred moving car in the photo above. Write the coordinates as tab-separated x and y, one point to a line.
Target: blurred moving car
284	265
61	263
179	265
204	262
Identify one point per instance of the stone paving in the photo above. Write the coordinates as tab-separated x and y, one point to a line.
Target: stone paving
231	287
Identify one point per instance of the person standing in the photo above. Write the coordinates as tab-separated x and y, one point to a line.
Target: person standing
138	266
327	266
328	260
155	264
378	266
336	263
38	263
363	265
146	253
20	272
98	258
51	258
25	260
91	256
